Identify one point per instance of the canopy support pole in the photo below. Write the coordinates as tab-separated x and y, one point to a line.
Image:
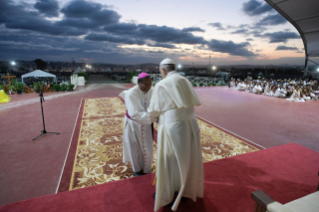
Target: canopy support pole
306	66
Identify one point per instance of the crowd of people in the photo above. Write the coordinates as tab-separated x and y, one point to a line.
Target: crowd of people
291	89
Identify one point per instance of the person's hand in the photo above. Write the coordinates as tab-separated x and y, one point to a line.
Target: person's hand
154	119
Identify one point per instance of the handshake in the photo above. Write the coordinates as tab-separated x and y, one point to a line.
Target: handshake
154	119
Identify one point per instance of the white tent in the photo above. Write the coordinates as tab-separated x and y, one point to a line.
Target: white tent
38	73
78	70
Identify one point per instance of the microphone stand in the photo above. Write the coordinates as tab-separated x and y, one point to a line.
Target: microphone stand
43	132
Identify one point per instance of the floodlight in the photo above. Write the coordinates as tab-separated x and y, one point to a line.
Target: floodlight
179	66
214	67
13	63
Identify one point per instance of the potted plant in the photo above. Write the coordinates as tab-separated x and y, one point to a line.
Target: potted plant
36	87
200	84
56	87
14	85
19	87
71	86
64	87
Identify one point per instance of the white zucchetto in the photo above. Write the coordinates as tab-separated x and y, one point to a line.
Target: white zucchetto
167	61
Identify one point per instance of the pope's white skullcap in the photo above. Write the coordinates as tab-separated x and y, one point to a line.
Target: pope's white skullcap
167	61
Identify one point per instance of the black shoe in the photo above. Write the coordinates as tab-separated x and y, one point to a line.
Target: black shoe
136	174
184	199
154	195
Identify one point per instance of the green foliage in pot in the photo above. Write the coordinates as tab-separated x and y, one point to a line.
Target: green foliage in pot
64	87
200	84
71	86
20	87
14	85
56	87
36	86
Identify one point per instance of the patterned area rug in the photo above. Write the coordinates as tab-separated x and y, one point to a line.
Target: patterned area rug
98	157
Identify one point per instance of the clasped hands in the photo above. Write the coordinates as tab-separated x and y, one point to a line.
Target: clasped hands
154	119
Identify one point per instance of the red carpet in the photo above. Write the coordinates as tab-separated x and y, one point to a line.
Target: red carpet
285	173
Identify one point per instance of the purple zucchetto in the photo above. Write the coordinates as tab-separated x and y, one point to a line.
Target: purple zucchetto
143	75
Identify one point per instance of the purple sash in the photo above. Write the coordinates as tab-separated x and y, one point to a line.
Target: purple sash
128	116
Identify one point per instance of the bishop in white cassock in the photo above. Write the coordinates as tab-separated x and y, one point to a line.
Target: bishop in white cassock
179	160
137	132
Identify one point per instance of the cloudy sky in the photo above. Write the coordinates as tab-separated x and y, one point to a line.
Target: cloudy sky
141	31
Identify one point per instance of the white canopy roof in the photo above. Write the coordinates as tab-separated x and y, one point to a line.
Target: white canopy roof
38	73
304	16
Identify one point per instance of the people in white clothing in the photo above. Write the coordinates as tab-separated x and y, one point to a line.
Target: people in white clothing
257	89
241	86
280	92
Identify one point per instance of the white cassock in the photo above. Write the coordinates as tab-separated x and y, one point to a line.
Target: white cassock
179	161
137	132
241	87
232	85
257	89
280	93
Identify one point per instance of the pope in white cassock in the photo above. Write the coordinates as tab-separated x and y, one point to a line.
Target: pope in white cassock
137	132
179	160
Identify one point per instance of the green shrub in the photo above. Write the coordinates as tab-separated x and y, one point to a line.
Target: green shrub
214	84
36	86
20	86
85	75
60	89
201	84
71	86
56	87
64	87
14	85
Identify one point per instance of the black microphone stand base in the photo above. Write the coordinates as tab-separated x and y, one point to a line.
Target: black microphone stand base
43	132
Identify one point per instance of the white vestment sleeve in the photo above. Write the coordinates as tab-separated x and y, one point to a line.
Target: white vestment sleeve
160	102
136	110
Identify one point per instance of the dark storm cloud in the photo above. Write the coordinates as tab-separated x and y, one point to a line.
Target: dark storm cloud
241	31
193	29
160	34
87	15
168	34
249	39
20	45
81	9
272	20
121	28
163	45
285	48
217	25
277	37
14	16
114	39
254	7
231	48
48	7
